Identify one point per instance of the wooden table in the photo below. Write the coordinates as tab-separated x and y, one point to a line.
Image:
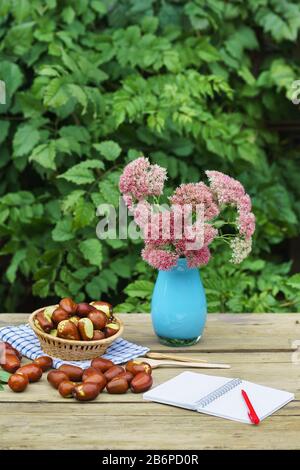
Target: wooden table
260	348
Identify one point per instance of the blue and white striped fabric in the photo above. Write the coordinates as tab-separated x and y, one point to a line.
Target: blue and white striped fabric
26	342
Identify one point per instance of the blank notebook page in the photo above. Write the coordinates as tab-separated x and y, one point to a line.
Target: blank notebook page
231	405
186	389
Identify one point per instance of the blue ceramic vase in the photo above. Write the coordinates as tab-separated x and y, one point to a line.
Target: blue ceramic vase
178	306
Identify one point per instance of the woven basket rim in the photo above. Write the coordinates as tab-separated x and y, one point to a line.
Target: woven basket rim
99	342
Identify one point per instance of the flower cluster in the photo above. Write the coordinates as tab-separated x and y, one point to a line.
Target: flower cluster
196	194
140	180
229	191
186	227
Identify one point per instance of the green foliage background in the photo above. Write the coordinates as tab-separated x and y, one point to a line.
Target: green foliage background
194	85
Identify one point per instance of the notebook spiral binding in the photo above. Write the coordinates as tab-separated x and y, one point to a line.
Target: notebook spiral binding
218	393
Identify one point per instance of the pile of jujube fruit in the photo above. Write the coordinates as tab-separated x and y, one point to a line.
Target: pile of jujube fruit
73	381
87	384
78	322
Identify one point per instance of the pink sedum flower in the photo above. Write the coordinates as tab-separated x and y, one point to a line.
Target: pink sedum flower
246	224
227	189
198	257
142	213
156	180
159	258
230	191
128	200
196	194
140	179
244	203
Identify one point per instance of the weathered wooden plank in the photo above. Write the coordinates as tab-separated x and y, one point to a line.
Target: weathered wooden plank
265	370
252	344
224	332
97	426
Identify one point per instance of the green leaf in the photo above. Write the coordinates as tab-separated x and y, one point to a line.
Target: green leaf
141	289
63	231
99	6
19	198
121	267
4	127
25	139
78	133
19	38
41	288
294	281
55	94
109	149
68	15
93	288
4	376
71	200
78	93
44	155
11	74
84	214
81	173
18	257
92	251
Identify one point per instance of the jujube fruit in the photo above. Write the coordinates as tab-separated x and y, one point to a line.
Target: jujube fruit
113	372
10	349
111	329
136	366
12	362
117	385
44	362
45	324
68	305
86	329
83	309
86	391
18	382
98	335
68	330
126	375
73	372
94	376
104	307
141	382
55	377
102	364
59	315
75	319
66	388
33	372
98	318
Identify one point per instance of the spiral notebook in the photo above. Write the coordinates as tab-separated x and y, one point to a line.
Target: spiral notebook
218	396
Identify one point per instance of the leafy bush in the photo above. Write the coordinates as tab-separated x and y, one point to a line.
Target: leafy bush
194	85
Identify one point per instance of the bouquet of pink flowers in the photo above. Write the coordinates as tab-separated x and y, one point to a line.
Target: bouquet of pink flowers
192	220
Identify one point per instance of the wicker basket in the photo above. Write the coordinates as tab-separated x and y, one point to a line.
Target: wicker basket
69	350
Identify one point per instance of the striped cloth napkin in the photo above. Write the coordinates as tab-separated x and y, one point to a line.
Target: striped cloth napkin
23	339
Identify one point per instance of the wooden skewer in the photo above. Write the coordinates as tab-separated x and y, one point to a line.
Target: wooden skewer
173	357
154	363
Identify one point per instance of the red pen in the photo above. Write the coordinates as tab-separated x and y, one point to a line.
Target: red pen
251	413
